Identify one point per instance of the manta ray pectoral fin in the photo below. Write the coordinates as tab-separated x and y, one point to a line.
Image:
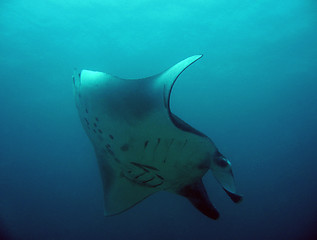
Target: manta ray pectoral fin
169	77
120	193
222	171
197	195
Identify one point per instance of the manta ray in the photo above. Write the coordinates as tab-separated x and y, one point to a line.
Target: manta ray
141	146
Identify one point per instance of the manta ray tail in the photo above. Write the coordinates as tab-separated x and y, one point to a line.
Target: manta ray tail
197	195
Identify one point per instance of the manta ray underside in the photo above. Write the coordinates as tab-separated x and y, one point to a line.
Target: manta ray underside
141	146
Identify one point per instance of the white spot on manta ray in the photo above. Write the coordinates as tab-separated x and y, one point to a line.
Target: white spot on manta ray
141	146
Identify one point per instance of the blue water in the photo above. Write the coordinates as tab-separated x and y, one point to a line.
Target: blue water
253	93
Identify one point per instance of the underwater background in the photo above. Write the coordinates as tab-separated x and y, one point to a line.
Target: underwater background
254	93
